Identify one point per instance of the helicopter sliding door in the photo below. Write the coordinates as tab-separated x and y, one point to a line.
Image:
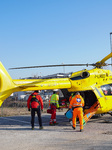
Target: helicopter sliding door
89	98
101	99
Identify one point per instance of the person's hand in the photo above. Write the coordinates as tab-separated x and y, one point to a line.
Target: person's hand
42	110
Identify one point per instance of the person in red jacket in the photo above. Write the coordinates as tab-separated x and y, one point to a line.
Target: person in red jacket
35	102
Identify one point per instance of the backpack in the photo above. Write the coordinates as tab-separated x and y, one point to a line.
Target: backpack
34	99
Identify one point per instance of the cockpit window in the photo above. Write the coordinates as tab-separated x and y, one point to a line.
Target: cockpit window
107	89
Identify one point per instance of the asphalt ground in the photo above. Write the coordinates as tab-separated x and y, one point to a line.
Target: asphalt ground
16	134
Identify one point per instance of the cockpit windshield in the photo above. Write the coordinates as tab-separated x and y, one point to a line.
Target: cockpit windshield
107	89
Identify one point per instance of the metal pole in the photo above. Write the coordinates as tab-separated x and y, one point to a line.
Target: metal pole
110	42
111	48
63	68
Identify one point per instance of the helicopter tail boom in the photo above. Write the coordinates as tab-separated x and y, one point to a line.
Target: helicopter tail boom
42	84
9	85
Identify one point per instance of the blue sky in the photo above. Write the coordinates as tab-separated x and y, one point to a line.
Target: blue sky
44	32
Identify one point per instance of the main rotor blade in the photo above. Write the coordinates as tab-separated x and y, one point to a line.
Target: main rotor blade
109	64
53	66
101	63
106	58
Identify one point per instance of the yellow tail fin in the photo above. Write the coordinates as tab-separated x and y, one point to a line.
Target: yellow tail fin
6	84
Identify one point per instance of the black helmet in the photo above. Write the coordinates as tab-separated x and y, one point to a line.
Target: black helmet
77	93
36	91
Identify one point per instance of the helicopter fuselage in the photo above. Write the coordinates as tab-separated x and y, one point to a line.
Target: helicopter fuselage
95	85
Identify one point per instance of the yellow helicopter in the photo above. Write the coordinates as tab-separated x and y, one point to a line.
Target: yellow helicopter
95	85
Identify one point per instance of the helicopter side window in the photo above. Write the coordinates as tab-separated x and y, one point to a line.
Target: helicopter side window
111	89
107	89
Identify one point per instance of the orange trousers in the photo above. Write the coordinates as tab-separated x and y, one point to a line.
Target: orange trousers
78	112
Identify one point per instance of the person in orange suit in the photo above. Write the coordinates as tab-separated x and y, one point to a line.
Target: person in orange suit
77	104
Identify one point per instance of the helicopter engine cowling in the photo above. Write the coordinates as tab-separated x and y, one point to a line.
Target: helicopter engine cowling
85	74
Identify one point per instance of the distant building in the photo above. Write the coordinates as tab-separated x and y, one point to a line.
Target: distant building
57	75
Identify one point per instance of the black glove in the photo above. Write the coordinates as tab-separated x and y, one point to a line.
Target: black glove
29	109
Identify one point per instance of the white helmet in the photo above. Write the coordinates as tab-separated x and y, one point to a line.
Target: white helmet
55	90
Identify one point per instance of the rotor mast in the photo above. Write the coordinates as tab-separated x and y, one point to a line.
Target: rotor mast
101	63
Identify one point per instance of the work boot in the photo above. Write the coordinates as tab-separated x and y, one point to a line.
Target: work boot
51	124
32	128
73	127
55	123
41	128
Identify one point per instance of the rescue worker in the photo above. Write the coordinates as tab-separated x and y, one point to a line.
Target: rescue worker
77	104
36	103
54	103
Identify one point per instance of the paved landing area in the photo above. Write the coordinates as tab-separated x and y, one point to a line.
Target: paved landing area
16	134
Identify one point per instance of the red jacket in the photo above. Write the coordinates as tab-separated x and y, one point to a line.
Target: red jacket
35	104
